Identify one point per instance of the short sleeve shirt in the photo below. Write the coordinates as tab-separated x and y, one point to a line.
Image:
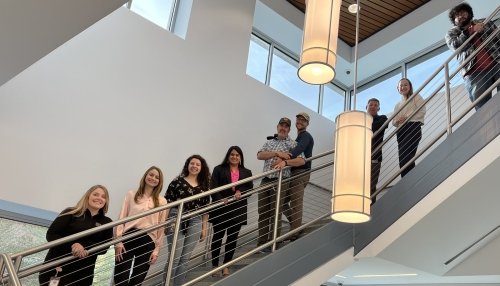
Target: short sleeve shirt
278	145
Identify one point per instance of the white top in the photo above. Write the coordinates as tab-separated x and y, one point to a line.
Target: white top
415	103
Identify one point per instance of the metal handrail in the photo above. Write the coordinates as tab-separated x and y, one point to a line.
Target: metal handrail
41	267
450	122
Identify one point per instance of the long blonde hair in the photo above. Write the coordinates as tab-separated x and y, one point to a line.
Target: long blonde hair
156	190
83	203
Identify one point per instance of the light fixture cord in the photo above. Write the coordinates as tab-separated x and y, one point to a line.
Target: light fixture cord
356	55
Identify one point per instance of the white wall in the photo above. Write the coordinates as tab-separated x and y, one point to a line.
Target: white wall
125	94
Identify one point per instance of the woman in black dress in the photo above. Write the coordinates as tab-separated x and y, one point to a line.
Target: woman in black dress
88	213
229	218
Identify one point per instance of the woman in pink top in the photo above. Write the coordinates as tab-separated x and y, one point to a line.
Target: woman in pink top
144	249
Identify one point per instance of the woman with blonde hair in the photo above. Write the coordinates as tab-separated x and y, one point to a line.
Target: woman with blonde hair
409	132
142	250
88	213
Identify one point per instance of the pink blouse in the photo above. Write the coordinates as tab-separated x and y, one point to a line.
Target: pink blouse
235	176
130	207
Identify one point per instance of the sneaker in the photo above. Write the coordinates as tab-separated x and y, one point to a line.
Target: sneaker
268	249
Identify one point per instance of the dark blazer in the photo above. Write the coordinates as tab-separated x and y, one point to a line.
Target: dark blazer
234	212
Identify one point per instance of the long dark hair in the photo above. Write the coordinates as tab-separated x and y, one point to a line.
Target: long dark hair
225	161
203	177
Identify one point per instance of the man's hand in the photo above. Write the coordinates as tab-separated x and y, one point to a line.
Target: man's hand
283	155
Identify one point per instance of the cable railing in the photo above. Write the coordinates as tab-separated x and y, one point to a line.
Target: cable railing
12	272
447	106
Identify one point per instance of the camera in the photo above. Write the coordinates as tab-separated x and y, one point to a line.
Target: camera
275	136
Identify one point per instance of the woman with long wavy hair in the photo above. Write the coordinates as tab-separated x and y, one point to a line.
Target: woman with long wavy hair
194	179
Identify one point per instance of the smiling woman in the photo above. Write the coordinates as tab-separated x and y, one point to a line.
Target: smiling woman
88	213
141	250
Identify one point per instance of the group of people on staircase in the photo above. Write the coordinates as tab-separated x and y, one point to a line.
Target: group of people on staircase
134	255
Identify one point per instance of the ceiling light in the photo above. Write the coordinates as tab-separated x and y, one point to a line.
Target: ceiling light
353	8
319	43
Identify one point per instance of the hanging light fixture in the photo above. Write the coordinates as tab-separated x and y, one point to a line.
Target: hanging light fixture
352	160
319	44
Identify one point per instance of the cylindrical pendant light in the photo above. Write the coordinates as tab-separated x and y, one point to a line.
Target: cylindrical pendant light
352	167
319	44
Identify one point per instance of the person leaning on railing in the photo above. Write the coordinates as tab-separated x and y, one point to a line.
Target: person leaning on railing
194	179
273	150
88	213
142	250
482	71
409	132
229	218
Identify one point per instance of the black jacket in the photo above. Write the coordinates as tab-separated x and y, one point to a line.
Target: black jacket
234	212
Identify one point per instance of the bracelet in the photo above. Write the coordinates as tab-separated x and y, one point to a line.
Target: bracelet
286	163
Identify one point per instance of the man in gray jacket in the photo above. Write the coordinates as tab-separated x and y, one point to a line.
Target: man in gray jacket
482	71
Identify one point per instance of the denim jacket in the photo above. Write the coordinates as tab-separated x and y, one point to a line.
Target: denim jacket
456	37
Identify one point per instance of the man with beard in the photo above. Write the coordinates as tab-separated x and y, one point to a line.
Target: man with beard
482	71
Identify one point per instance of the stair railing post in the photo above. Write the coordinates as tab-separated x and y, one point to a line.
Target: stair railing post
448	97
277	213
13	279
174	243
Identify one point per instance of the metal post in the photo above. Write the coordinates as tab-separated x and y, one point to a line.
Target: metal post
356	56
277	211
448	97
13	280
174	243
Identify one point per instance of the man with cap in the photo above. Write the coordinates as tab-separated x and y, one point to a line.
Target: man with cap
276	153
293	202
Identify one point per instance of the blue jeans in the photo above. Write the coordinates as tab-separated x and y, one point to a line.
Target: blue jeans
478	82
186	242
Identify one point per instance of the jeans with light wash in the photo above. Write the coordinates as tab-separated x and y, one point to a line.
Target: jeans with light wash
186	242
478	82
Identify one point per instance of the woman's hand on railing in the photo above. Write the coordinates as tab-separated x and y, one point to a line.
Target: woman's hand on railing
153	258
119	250
78	250
237	195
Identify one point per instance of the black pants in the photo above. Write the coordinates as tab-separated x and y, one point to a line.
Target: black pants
232	237
409	136
76	272
137	249
374	179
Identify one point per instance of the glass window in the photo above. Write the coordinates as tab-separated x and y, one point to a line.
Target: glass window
421	69
384	89
333	101
285	80
258	55
156	11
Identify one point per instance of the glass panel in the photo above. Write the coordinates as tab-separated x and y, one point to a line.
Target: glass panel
156	11
384	89
421	69
333	101
285	80
258	54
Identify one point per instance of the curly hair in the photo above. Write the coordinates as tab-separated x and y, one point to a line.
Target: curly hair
203	177
459	8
